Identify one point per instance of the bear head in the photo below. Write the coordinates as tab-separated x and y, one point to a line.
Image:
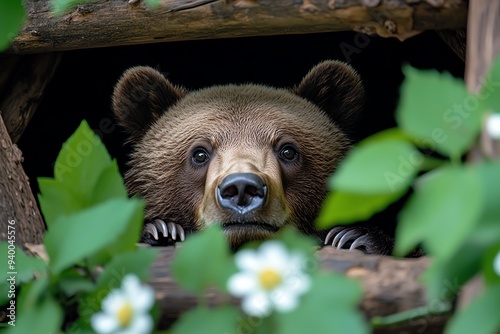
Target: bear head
250	158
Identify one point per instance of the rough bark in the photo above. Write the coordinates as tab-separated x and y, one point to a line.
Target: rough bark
391	285
16	200
104	23
22	88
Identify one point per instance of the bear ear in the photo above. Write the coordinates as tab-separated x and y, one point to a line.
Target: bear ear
336	88
140	97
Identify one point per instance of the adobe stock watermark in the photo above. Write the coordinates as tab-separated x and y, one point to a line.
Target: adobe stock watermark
454	119
11	272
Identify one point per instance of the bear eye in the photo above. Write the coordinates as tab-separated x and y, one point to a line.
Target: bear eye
200	156
288	153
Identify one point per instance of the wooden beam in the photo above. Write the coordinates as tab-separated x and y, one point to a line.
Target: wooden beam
391	285
104	23
18	207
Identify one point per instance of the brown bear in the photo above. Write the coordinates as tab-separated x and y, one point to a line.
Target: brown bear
248	157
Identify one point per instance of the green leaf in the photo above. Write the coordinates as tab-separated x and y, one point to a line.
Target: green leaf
489	271
25	266
137	262
110	228
441	213
109	185
445	277
46	317
480	316
81	327
210	321
438	112
489	95
60	6
488	172
394	134
330	305
297	241
127	239
81	161
13	15
32	293
378	167
56	200
73	286
84	175
73	281
341	207
206	252
153	4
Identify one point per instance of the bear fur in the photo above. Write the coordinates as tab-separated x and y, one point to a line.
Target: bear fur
281	144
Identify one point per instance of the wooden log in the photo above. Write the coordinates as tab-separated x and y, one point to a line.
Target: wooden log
23	89
104	23
483	41
391	286
16	199
483	46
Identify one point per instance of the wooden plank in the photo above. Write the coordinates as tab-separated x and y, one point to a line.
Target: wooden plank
104	23
17	203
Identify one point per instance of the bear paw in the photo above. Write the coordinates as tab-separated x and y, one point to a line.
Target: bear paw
171	233
358	237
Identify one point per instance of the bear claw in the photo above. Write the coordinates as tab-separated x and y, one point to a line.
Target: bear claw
169	229
341	236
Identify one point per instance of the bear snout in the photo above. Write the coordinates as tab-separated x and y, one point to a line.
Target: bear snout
242	192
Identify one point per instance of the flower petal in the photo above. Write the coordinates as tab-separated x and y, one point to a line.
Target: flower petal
144	300
103	323
284	300
141	324
297	262
141	296
257	304
131	284
113	301
242	284
273	254
298	283
248	260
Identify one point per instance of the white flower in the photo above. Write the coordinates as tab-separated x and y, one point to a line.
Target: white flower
493	126
269	278
496	264
126	310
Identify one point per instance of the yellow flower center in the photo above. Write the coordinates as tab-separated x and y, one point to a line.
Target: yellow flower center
124	314
269	279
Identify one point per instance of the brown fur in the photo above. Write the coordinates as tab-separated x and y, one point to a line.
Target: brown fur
242	127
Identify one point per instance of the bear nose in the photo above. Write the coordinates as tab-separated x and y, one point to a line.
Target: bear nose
242	192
